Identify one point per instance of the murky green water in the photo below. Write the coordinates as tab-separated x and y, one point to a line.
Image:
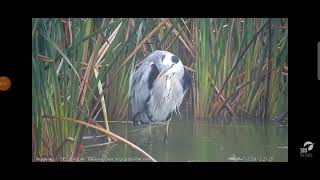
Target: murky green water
197	140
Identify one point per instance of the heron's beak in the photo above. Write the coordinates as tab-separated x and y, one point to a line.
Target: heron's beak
163	71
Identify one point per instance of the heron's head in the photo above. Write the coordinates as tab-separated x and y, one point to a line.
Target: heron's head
172	65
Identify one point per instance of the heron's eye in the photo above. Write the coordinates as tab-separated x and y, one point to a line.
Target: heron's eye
175	59
163	57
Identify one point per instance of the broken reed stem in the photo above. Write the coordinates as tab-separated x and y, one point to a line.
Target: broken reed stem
139	46
109	133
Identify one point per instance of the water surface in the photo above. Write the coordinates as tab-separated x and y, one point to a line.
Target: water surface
197	140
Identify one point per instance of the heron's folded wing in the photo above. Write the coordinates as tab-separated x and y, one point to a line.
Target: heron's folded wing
140	88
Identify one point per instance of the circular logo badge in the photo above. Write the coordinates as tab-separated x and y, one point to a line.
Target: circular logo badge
5	83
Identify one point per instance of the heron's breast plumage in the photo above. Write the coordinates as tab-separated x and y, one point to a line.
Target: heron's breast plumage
165	97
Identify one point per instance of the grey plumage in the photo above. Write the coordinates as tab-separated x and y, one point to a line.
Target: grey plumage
157	87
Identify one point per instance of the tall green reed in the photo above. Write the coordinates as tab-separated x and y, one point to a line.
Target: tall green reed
237	66
245	62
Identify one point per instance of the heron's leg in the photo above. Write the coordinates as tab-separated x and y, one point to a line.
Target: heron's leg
165	140
150	132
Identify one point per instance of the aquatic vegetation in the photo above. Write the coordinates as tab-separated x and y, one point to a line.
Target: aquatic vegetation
81	69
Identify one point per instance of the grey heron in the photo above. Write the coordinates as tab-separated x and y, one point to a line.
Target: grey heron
157	87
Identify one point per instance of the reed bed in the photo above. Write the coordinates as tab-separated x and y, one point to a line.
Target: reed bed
81	68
